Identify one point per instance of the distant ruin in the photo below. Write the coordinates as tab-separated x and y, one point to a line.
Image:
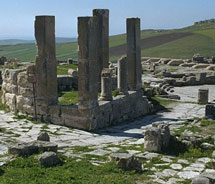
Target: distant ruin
33	90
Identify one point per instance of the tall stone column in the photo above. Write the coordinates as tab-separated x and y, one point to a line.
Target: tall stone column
134	54
87	63
122	76
101	17
46	64
106	85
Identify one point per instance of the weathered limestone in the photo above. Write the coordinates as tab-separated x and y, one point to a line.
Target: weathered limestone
72	72
203	96
46	64
122	76
152	140
49	159
87	63
134	54
126	161
101	17
106	85
30	148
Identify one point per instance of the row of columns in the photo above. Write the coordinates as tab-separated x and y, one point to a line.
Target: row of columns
93	59
129	68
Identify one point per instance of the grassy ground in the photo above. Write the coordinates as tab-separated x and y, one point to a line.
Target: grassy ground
161	103
63	69
28	170
202	41
68	98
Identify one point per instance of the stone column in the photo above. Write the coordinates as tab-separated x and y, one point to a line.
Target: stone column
133	54
106	87
87	63
46	64
203	96
122	76
101	18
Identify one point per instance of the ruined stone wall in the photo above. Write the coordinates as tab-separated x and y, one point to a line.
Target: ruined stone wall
121	108
17	91
18	96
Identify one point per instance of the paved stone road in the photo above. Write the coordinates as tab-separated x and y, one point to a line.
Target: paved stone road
13	130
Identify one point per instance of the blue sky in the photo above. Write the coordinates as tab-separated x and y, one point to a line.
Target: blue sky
17	16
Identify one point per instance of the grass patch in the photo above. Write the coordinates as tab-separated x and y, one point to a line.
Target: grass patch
5	131
63	69
78	149
205	123
28	170
160	103
194	129
194	153
68	98
115	92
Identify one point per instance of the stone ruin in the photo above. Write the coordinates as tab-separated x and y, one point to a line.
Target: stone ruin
33	90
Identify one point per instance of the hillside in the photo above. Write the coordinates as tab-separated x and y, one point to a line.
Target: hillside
21	41
177	43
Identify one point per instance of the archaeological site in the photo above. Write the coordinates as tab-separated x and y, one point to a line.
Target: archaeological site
104	112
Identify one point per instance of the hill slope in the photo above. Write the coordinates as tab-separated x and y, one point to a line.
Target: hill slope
178	43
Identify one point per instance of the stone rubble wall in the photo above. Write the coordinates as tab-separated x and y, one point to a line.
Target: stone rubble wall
17	91
107	113
18	96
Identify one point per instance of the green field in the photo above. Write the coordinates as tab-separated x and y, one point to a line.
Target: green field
201	40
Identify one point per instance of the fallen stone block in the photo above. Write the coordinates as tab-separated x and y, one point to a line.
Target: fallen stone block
44	136
152	140
126	161
49	159
210	111
27	149
200	180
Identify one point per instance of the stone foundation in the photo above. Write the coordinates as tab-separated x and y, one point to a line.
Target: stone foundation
107	113
18	96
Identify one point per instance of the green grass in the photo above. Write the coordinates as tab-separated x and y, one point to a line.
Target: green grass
161	103
205	123
63	69
68	98
78	149
115	92
28	170
193	129
202	41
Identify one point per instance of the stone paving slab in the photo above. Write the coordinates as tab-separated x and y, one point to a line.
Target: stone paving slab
105	141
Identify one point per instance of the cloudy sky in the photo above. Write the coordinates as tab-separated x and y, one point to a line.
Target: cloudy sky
17	16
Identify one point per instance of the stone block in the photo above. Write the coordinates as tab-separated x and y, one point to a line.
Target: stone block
72	72
30	148
126	161
44	136
175	62
203	96
152	140
210	111
200	180
49	159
